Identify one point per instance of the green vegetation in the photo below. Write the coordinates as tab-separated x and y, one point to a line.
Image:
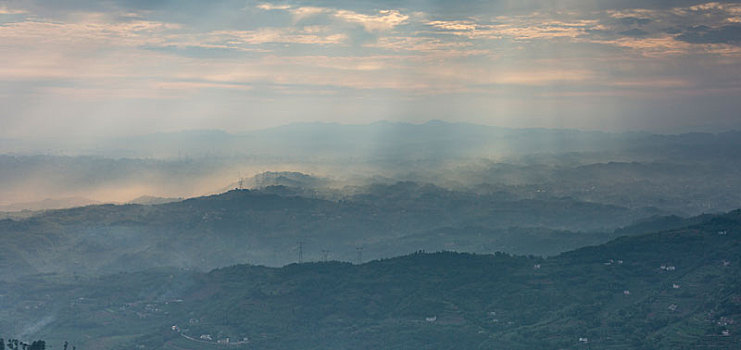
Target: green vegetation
15	344
264	226
675	289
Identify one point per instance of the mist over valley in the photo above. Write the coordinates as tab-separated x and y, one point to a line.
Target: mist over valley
323	174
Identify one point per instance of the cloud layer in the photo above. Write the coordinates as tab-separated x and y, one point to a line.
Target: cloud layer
116	66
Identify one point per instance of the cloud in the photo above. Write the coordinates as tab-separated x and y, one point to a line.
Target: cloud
661	32
634	21
517	76
426	45
90	29
657	47
635	32
345	63
307	35
709	23
454	26
531	27
198	85
729	34
113	52
710	8
634	15
4	10
382	20
268	7
300	13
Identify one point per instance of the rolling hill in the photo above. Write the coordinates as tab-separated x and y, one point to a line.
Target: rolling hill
674	289
265	226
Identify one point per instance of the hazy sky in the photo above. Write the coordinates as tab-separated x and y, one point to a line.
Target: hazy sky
71	67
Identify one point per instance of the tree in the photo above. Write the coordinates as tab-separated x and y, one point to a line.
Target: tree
38	345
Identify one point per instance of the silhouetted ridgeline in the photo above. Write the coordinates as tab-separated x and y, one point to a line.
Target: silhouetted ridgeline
264	226
685	174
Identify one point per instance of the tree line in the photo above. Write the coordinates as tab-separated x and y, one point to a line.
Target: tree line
15	344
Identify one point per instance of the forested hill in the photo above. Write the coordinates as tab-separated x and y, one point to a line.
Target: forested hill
675	289
264	226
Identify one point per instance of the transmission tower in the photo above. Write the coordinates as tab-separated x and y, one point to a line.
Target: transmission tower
360	254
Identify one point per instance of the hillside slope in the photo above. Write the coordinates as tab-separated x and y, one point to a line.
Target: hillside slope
263	227
675	289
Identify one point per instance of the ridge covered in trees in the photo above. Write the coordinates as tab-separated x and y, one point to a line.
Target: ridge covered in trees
673	289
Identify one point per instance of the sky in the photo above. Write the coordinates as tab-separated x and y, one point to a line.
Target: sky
129	67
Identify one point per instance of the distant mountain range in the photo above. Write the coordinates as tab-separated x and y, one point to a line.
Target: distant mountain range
382	141
264	227
74	202
687	174
49	203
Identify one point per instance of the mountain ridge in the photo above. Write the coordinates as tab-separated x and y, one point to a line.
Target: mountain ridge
263	226
674	289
